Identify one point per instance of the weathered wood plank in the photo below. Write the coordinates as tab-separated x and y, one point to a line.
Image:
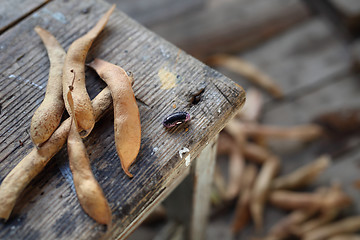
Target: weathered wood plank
189	203
13	11
350	14
350	8
202	179
231	26
151	12
164	77
340	93
344	16
298	59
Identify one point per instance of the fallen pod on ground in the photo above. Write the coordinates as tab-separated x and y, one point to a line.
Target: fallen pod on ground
176	118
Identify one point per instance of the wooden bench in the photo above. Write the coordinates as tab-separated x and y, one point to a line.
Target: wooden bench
166	80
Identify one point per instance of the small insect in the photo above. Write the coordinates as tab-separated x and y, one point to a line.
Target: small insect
176	118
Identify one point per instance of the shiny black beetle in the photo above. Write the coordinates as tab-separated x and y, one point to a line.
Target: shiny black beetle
176	119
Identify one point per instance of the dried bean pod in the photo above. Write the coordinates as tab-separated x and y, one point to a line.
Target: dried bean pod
127	125
48	115
35	161
74	69
88	190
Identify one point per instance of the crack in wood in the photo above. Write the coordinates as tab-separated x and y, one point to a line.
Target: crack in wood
224	95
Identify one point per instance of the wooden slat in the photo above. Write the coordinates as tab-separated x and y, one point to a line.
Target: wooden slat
202	179
189	203
299	59
341	92
49	208
151	12
13	11
350	9
231	26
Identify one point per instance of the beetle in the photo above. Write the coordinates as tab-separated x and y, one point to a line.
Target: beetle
176	118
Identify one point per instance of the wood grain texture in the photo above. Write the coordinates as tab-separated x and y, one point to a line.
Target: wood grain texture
151	12
13	11
48	208
231	26
203	173
189	203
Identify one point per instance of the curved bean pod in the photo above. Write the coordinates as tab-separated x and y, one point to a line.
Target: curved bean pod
126	112
88	190
74	74
35	161
48	115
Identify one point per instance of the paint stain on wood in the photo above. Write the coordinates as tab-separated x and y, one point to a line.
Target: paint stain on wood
167	78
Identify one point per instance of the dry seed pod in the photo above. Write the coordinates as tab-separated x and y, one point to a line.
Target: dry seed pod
302	133
236	169
325	217
74	74
261	189
235	129
88	190
283	228
323	199
226	144
48	115
252	107
345	237
256	153
247	70
34	162
294	200
302	176
242	213
347	225
126	112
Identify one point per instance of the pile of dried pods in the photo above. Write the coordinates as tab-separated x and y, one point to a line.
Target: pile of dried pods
312	213
66	89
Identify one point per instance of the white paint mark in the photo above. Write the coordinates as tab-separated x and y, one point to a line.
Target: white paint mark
187	158
60	17
219	110
26	81
155	149
56	15
163	52
66	172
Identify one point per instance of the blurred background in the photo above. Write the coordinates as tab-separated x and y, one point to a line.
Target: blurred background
298	61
